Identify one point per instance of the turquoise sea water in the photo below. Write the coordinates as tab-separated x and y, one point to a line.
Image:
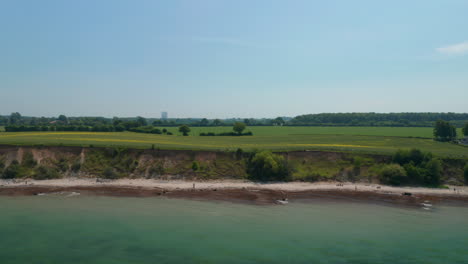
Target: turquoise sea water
88	229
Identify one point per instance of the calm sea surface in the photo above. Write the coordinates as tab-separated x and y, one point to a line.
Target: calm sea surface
87	229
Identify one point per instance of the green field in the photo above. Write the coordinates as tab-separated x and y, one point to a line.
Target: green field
423	132
359	139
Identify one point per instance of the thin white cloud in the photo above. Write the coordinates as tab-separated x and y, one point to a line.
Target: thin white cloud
455	49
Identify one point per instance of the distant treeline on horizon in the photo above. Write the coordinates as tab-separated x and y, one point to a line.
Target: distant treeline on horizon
16	120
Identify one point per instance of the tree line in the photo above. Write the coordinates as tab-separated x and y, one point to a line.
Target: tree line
16	120
379	119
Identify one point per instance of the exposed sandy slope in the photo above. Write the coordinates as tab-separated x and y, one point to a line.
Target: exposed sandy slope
233	184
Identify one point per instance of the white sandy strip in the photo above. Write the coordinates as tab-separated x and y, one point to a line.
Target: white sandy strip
233	184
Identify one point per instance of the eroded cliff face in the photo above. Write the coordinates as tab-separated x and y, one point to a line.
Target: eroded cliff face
112	163
120	162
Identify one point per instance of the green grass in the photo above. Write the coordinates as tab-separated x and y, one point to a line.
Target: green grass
424	132
280	139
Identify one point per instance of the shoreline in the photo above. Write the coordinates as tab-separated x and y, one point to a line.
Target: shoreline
240	191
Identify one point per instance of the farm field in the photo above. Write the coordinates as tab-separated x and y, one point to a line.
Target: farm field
278	142
423	132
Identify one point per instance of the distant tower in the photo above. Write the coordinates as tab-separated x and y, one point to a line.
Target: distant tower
164	115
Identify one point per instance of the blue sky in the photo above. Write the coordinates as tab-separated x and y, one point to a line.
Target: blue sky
243	58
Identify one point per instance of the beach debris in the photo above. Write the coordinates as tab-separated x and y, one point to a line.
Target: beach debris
102	180
282	201
407	193
73	194
426	204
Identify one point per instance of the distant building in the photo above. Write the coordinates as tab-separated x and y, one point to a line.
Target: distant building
164	115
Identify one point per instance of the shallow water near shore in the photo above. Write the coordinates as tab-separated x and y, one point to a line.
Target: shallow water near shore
92	229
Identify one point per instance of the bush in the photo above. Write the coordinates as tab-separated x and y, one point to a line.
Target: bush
465	173
109	173
208	134
44	173
393	174
195	166
415	174
434	172
416	156
266	166
239	154
28	160
2	167
62	165
76	166
146	129
12	171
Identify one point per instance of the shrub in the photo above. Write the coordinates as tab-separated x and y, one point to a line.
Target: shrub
109	173
266	166
28	160
12	171
157	170
415	174
393	174
239	153
434	172
62	165
43	173
76	166
465	174
2	166
195	166
146	129
416	156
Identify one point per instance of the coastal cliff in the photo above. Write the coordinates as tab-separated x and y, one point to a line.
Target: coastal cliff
114	163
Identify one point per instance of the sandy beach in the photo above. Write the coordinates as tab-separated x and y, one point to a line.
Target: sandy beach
239	191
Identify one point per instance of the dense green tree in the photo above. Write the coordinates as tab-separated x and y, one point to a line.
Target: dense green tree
393	174
434	172
239	127
141	121
278	121
15	118
204	122
217	122
63	119
465	130
444	131
266	166
184	129
378	119
116	121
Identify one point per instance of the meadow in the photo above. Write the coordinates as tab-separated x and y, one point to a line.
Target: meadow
382	140
423	132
